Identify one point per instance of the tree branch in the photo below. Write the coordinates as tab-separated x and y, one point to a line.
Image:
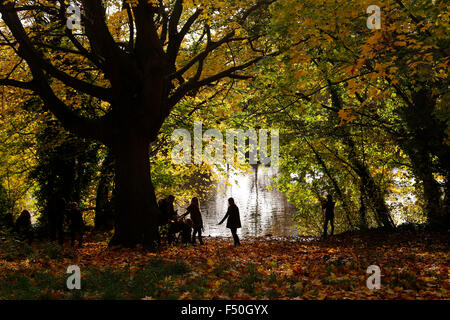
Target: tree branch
194	84
101	41
130	26
202	55
69	119
18	84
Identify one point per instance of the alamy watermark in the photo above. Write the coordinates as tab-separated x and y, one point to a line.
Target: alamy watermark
74	280
74	20
213	151
374	281
374	20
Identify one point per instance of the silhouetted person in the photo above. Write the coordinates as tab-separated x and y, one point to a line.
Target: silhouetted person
162	216
171	212
167	216
186	233
167	210
196	217
8	220
234	220
23	225
76	224
57	209
328	206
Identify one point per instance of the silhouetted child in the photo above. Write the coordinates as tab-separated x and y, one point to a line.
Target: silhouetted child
182	227
196	217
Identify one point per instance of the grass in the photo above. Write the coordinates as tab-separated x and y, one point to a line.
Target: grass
153	279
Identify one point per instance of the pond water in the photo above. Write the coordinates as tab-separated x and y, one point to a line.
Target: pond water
262	211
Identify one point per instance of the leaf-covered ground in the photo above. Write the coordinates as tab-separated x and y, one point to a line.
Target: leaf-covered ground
414	265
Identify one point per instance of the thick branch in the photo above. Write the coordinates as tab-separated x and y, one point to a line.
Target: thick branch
130	25
148	44
18	84
194	84
202	55
69	119
101	41
176	38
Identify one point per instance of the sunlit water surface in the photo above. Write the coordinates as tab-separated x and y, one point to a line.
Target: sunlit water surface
263	212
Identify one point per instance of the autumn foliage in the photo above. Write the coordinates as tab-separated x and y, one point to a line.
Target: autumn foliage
87	114
414	265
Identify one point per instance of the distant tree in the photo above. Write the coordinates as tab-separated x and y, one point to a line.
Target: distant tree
66	166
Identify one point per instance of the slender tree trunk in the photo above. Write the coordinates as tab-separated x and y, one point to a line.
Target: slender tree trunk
447	203
104	212
432	196
336	187
362	209
136	204
374	193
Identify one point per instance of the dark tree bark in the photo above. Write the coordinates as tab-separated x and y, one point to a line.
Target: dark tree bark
423	141
135	194
104	212
422	168
375	194
362	208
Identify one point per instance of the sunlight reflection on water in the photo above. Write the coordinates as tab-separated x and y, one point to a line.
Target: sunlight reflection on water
262	211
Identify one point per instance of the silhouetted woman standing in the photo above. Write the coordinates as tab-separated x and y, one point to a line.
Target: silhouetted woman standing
234	221
196	217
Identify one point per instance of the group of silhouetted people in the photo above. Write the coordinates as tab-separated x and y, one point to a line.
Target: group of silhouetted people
191	229
58	213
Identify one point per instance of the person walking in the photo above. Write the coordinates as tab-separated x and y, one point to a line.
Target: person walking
234	221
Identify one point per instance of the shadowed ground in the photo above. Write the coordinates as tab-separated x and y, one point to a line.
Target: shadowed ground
414	265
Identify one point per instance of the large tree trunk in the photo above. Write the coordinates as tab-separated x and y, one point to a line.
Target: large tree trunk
422	168
136	205
373	190
426	148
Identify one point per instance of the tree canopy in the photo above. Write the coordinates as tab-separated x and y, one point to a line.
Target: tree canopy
363	112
